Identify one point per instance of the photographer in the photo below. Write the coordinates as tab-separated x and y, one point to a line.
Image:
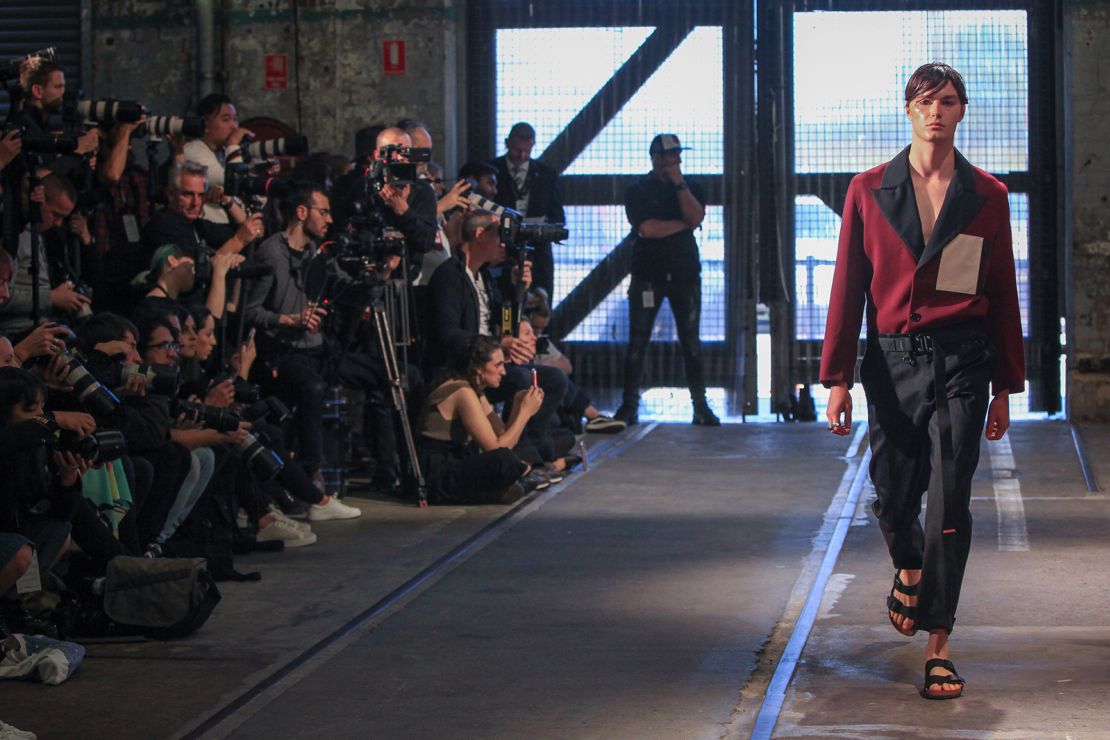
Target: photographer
406	205
221	144
532	188
173	274
58	301
181	222
44	89
465	301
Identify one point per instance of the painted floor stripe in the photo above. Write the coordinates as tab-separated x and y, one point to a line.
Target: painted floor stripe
850	489
1012	533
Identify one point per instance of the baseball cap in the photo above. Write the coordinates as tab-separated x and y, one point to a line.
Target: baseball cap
664	143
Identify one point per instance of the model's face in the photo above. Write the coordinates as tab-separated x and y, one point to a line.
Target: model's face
206	339
188	199
490	374
162	349
935	114
219	125
520	150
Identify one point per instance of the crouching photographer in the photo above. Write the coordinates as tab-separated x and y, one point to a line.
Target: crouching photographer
44	464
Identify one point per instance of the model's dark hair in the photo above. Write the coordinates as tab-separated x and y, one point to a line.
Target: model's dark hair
300	194
522	131
478	351
932	77
476	169
18	387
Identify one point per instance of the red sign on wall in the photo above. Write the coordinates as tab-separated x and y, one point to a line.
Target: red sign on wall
393	57
277	71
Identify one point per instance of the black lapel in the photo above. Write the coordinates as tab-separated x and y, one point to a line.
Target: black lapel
896	200
962	203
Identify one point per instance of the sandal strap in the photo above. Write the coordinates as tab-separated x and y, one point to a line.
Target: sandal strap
904	610
932	679
903	588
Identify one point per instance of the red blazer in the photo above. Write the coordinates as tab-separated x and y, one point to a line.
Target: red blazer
965	272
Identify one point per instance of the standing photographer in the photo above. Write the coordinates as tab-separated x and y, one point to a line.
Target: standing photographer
221	144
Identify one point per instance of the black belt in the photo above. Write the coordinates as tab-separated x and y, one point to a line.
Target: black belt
924	343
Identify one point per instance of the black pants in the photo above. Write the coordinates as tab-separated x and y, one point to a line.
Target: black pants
457	478
684	295
907	436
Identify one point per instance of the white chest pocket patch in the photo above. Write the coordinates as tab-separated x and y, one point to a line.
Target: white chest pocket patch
959	265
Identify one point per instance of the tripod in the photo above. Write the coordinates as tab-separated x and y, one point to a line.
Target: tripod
384	330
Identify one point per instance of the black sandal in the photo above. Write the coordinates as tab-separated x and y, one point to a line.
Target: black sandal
893	604
941	679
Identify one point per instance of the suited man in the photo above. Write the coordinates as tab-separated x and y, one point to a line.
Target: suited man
925	247
465	301
531	187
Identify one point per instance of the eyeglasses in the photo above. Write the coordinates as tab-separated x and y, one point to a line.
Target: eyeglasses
323	211
164	346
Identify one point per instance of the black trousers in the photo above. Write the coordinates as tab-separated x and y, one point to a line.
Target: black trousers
919	448
684	295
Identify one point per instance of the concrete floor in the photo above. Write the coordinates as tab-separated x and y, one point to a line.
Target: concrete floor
649	598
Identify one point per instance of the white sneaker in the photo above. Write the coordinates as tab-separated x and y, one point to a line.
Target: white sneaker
277	513
333	509
7	732
292	536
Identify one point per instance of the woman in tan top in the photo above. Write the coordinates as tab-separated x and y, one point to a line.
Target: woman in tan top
465	448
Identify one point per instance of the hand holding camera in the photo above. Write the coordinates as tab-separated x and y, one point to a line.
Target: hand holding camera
250	229
221	395
46	339
70	467
66	298
396	197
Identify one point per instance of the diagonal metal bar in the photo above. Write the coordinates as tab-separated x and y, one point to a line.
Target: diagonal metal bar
593	289
613	95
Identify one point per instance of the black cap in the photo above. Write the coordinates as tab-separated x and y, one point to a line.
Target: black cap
664	143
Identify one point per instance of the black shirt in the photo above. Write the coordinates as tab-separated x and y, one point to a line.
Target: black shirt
677	254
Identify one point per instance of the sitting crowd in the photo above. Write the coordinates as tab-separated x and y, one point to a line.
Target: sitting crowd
167	358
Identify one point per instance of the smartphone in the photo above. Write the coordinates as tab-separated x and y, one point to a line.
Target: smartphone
535	382
250	335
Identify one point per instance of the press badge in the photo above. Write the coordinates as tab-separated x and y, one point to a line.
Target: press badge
649	298
131	227
959	265
30	581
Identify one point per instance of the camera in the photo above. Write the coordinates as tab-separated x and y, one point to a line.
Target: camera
191	126
365	246
270	409
94	396
99	447
246	271
47	143
291	146
209	417
240	182
387	169
161	379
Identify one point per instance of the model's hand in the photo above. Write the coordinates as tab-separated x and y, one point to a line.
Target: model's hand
840	405
998	416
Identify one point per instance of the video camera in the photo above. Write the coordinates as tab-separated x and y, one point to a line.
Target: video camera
396	165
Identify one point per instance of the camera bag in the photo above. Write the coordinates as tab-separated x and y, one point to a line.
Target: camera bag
164	598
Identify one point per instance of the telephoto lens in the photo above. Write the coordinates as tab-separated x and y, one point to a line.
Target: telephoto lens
110	111
192	126
99	447
263	463
210	417
292	146
95	397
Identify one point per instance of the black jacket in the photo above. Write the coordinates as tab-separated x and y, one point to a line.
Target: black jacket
542	182
453	315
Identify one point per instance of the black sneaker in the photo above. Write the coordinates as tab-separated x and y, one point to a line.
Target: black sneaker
704	416
627	413
536	480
